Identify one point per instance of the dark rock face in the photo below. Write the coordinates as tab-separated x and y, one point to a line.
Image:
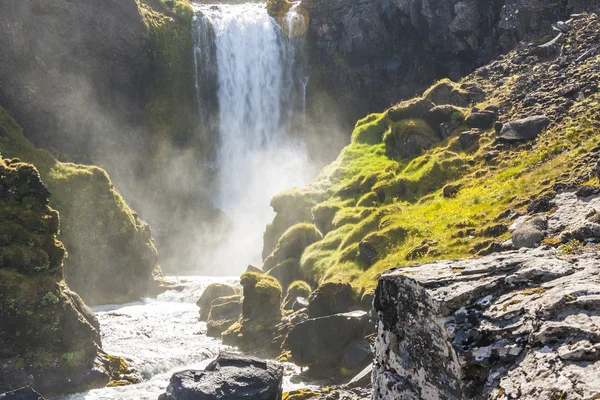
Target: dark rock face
49	339
369	53
90	69
229	377
524	129
322	342
22	394
481	119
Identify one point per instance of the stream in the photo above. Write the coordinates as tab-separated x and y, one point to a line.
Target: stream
160	336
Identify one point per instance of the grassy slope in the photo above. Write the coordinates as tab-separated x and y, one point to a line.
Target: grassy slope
416	223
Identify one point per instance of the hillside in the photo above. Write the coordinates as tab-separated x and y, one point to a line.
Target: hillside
418	185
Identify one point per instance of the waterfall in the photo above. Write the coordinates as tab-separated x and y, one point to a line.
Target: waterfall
256	69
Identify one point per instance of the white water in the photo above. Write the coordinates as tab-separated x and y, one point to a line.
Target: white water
160	336
259	74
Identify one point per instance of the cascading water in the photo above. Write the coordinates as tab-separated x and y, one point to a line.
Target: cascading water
258	67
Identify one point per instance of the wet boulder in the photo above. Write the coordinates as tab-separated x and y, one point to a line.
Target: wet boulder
296	289
25	393
224	312
229	377
410	109
331	298
212	292
321	342
356	356
523	129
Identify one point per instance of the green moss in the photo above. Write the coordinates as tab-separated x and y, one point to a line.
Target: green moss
371	129
292	243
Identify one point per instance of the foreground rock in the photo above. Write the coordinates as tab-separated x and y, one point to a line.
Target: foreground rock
489	327
49	339
336	341
229	377
26	393
524	129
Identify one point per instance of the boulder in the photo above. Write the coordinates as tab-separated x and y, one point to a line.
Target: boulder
356	356
331	298
410	109
286	272
485	328
25	393
296	289
530	232
481	120
443	114
292	243
523	129
224	312
212	292
409	138
468	139
229	377
448	92
300	303
320	342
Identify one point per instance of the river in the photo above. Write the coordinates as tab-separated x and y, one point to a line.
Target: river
160	336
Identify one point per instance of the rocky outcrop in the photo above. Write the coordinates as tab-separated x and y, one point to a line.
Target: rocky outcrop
112	257
211	293
49	339
229	377
367	54
481	328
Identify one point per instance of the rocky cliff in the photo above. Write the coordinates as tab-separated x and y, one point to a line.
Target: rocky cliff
112	257
368	54
49	339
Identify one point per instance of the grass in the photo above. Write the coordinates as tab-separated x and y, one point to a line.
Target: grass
397	206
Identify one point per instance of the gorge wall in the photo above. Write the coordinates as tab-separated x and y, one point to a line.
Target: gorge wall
366	54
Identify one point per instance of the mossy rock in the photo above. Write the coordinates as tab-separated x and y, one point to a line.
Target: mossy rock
409	138
292	244
331	298
278	8
262	297
224	312
371	129
446	113
286	272
296	289
300	394
447	92
212	292
410	109
292	207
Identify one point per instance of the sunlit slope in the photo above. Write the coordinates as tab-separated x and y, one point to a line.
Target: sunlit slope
402	193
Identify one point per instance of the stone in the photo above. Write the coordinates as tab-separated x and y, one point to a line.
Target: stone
524	129
362	379
224	312
485	328
229	377
529	233
331	298
409	138
25	393
212	292
320	342
291	245
410	109
287	272
468	139
300	303
443	114
355	356
481	120
297	289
